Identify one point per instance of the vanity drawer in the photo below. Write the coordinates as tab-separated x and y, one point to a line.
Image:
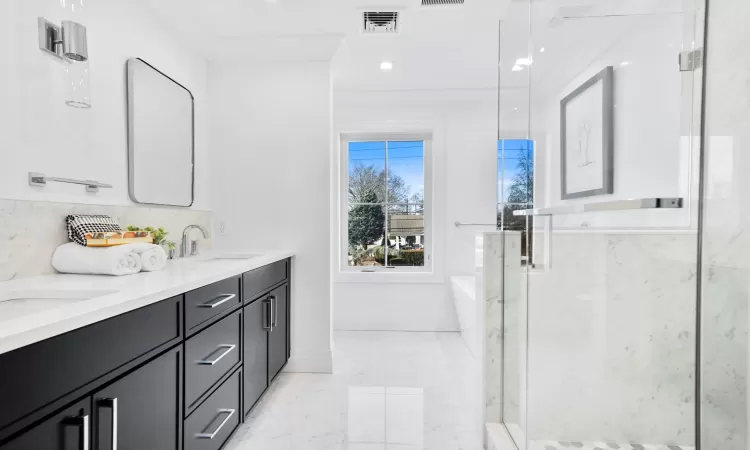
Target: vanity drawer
209	301
259	280
209	355
209	427
39	374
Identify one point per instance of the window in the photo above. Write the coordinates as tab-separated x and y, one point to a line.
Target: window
387	215
515	187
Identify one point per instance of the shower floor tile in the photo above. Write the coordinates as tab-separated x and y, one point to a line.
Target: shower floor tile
576	445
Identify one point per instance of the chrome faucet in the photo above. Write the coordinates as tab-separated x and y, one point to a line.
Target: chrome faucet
192	249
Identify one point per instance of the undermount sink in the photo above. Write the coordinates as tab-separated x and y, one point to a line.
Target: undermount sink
22	303
232	257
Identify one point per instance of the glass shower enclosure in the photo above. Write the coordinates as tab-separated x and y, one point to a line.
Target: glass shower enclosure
600	304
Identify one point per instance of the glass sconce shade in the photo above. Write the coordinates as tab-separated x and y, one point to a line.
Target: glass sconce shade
77	84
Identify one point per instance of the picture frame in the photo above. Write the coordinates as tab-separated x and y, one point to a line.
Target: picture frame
587	138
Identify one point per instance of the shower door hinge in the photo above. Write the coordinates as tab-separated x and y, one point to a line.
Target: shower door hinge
691	60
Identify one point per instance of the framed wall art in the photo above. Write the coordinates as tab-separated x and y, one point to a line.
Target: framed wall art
587	138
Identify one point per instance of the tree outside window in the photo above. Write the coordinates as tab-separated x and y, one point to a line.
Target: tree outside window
516	188
386	203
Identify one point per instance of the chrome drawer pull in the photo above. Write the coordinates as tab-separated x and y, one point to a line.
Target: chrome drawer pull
213	303
210	362
204	435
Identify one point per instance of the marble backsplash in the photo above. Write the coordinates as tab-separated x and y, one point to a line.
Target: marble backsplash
30	231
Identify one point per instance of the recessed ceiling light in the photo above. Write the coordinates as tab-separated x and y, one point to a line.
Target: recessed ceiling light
541	50
386	66
517	68
625	63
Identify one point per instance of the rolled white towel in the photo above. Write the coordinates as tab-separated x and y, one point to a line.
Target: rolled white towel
152	256
74	258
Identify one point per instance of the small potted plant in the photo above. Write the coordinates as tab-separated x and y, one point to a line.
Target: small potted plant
160	238
171	248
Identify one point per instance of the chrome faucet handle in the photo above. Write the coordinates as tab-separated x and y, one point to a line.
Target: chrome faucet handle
189	247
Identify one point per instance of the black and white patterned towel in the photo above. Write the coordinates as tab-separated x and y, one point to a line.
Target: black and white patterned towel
80	224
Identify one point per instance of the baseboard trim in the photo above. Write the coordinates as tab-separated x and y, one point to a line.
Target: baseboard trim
310	362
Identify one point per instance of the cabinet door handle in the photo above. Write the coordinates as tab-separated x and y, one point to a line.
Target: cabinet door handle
210	362
206	435
85	432
267	306
111	403
217	301
275	312
82	422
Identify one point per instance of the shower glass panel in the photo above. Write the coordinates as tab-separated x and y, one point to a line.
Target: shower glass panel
600	307
515	152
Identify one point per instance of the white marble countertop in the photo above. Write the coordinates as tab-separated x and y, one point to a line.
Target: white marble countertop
120	294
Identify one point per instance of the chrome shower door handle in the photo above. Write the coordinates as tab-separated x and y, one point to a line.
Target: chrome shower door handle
111	403
206	435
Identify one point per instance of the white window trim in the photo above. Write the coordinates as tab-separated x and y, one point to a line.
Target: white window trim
399	274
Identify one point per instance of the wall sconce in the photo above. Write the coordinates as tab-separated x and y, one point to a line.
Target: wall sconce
68	43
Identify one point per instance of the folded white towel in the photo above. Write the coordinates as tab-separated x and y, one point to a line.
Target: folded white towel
153	257
74	258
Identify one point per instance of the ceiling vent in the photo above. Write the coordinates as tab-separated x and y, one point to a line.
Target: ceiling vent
442	2
380	22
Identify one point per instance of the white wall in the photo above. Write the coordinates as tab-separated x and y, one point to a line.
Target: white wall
652	154
41	134
271	158
464	124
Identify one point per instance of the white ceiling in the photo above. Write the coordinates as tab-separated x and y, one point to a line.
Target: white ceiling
453	47
437	47
573	34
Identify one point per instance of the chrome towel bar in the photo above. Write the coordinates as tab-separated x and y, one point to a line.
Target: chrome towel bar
614	205
462	224
40	179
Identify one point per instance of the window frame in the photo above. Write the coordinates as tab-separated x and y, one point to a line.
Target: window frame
343	255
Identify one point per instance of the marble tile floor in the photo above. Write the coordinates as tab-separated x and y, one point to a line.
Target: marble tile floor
566	445
389	391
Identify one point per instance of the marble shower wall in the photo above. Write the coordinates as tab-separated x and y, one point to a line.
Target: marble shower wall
612	338
726	230
501	252
30	231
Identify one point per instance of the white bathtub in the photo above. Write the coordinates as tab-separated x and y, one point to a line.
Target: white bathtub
467	295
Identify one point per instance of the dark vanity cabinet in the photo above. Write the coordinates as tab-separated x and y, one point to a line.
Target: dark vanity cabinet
278	335
266	329
255	351
142	409
68	429
179	374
